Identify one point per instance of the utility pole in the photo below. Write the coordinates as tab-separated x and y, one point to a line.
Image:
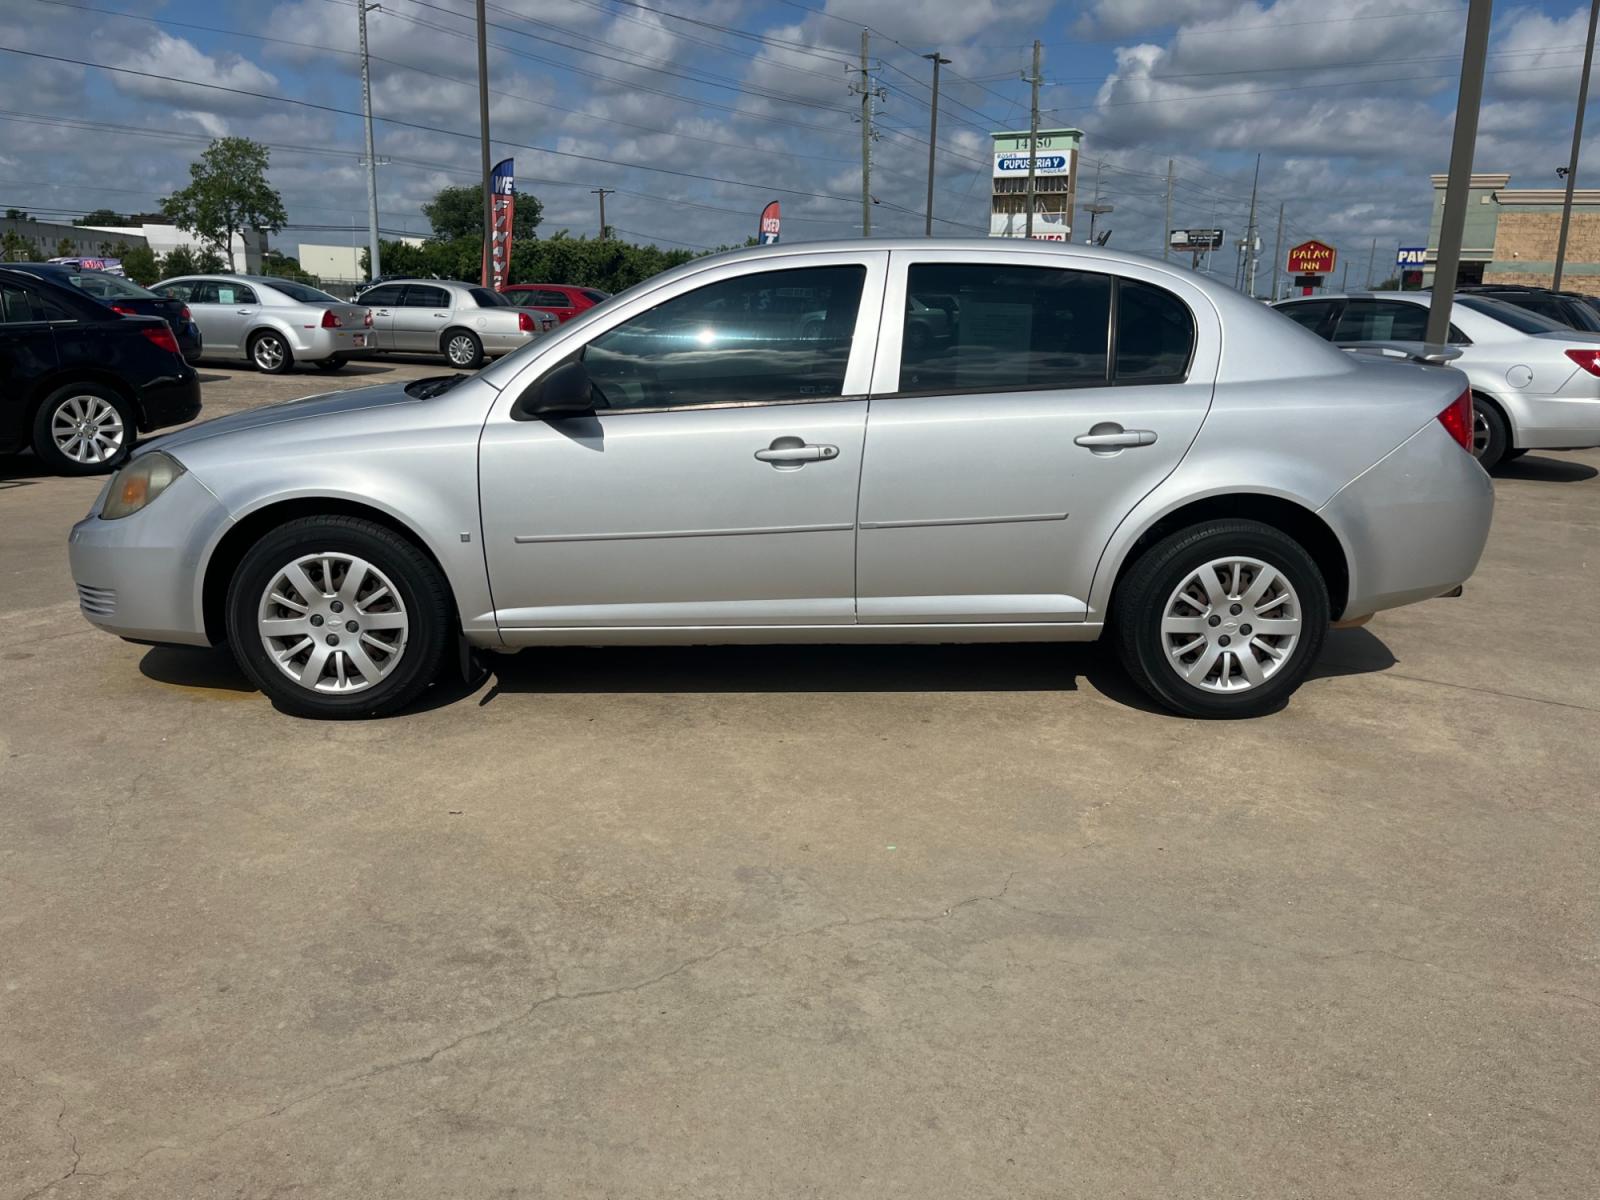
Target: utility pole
483	138
602	193
1251	237
1344	278
1453	219
1166	236
933	136
1096	208
1277	254
1033	140
868	95
374	269
1372	258
1577	136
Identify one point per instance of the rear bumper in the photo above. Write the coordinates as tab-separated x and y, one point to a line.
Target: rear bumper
1556	422
321	343
139	577
1414	524
505	343
171	400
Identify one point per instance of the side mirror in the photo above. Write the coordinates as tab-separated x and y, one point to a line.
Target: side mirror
565	392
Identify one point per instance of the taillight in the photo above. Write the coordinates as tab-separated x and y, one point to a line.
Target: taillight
185	314
124	311
368	320
1589	360
330	319
524	321
161	335
1457	420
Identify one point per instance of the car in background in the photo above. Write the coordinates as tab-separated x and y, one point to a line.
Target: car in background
1572	309
462	321
1535	383
124	296
1109	446
563	299
271	322
77	380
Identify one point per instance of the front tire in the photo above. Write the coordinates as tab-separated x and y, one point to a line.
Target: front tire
270	353
1221	620
331	364
83	429
339	617
1491	439
463	349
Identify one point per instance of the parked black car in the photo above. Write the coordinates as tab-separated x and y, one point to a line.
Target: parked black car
123	296
1572	309
77	379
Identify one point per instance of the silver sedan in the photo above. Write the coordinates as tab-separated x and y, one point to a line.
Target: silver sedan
271	322
751	449
462	321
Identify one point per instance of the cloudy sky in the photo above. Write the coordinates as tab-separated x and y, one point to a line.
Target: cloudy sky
699	111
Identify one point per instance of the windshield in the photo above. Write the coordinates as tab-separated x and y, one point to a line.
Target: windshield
108	287
302	293
1519	319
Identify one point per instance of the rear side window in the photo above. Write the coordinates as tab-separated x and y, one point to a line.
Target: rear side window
14	306
1581	316
108	287
549	299
1382	321
1509	314
1310	313
594	295
425	297
302	294
1155	334
484	298
1001	328
234	293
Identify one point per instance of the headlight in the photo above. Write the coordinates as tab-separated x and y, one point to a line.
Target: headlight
140	482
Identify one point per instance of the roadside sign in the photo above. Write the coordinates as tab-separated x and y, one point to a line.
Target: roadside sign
1411	257
1312	258
1195	240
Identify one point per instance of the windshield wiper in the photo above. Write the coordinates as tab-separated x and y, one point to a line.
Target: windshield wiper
433	385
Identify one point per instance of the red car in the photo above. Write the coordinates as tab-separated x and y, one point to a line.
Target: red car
564	300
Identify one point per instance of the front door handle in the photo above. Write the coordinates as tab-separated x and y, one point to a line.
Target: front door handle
792	452
1107	437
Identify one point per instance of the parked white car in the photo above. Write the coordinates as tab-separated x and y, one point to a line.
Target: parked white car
1535	383
464	322
270	321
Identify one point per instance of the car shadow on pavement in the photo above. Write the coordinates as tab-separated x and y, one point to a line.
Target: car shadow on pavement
1545	470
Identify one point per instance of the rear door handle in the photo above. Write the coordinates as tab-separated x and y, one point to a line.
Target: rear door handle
1110	436
792	452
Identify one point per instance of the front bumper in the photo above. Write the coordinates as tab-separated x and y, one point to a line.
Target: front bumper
139	577
1414	525
171	400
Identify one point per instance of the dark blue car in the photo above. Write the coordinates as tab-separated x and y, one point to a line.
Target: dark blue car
123	296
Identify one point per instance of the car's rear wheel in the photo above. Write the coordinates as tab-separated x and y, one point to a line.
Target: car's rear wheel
331	364
1222	619
83	429
270	352
463	349
339	617
1490	436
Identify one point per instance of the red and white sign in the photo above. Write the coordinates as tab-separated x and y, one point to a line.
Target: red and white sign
1312	258
767	229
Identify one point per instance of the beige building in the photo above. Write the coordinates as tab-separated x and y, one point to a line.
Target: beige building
1511	233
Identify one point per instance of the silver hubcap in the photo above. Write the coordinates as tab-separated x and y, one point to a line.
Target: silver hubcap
87	429
462	351
1231	625
333	623
1480	432
269	353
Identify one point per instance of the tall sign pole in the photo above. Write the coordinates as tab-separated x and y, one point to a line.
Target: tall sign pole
483	137
1033	138
1277	254
1166	238
1474	52
374	268
1252	253
1577	136
933	136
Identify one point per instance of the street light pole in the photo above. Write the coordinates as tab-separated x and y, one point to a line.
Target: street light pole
933	136
374	269
1473	54
483	138
1033	139
1577	136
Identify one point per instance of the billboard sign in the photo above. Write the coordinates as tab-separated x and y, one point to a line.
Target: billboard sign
111	266
1312	258
767	226
1411	258
1195	240
503	212
1008	164
1047	226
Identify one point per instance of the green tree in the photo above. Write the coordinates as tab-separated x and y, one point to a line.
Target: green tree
15	248
458	212
227	194
185	261
284	266
102	216
16	214
140	265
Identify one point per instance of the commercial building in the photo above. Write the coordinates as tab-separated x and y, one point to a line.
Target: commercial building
1511	233
49	239
1055	184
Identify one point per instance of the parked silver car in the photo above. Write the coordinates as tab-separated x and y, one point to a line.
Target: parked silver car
270	321
1535	382
1104	443
464	322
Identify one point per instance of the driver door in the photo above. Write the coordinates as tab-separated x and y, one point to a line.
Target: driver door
715	483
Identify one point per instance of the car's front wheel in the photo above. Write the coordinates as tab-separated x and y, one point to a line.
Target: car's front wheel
1222	619
339	617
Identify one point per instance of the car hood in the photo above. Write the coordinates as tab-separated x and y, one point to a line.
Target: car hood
309	408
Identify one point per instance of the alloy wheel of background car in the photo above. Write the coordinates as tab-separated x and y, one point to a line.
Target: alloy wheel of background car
463	350
1490	437
83	429
297	592
270	353
1222	619
333	622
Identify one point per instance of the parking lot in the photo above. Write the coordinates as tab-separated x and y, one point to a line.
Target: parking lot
732	922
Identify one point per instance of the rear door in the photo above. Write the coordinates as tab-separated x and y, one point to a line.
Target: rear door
27	354
422	314
384	301
1004	449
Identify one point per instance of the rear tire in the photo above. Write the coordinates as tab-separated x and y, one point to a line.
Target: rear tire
339	617
463	349
1512	455
1221	620
269	352
1490	436
83	429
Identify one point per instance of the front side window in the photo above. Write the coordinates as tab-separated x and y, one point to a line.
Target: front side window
771	336
548	299
1155	334
381	297
974	327
182	290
